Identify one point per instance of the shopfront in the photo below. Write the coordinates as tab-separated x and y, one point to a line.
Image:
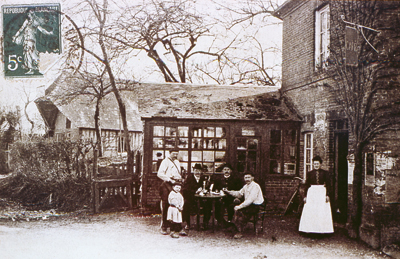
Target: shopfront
269	149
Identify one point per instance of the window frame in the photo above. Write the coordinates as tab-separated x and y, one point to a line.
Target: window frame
321	48
310	148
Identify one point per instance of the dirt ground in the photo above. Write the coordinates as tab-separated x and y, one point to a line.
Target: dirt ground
129	235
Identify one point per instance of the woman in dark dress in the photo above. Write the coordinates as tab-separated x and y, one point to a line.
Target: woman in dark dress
317	216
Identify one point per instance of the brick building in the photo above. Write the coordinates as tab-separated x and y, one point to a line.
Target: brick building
308	44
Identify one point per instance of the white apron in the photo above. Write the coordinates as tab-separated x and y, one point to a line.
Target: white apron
316	216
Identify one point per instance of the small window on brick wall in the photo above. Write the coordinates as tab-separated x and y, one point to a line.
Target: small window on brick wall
322	25
308	152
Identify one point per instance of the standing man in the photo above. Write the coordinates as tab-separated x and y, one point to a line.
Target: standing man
253	199
169	172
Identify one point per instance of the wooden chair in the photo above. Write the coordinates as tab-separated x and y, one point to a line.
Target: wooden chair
259	216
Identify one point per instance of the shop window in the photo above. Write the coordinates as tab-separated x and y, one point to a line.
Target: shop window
204	145
247	152
283	151
275	150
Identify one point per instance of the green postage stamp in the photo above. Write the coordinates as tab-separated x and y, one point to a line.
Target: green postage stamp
28	31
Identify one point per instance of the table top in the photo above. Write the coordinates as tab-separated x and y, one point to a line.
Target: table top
209	195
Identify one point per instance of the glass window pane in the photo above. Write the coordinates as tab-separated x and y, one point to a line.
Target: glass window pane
240	166
290	136
158	155
183	156
251	167
208	156
275	136
158	131
275	151
183	143
196	132
184	166
183	131
170	131
252	155
158	143
169	142
208	168
308	156
274	167
253	143
197	143
241	155
209	132
218	167
220	156
197	156
220	132
289	168
220	143
308	140
209	143
241	145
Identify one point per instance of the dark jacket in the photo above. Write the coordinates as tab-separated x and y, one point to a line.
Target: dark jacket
318	177
191	186
231	183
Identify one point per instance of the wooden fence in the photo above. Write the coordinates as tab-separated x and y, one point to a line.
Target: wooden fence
115	186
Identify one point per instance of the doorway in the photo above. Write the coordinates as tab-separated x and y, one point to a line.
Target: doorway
341	177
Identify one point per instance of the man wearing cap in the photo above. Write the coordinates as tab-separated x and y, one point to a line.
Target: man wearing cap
169	172
226	181
252	197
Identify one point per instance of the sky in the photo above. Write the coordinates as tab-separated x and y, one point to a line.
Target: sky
19	91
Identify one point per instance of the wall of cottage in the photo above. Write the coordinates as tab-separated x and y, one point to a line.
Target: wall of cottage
381	193
309	91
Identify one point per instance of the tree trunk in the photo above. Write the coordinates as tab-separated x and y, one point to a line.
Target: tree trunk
97	127
355	214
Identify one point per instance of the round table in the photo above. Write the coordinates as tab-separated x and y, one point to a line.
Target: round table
208	196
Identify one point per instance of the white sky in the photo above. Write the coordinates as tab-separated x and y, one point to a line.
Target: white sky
16	91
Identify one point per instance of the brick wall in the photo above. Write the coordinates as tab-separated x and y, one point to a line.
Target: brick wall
298	45
278	192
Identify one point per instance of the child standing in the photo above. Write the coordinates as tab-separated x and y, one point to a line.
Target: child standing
174	214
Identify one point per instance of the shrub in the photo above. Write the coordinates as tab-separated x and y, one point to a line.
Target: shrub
48	174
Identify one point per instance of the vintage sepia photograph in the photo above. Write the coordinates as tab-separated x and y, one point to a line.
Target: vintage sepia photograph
200	129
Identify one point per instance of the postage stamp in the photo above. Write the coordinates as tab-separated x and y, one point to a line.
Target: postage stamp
29	30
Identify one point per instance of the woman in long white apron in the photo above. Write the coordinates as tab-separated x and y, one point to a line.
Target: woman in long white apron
317	216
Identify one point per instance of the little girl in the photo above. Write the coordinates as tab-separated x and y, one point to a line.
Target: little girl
174	214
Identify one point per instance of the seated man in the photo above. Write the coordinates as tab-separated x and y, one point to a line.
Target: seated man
194	184
253	198
227	181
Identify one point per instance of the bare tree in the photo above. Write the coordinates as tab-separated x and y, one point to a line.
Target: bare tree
250	58
169	32
367	92
94	37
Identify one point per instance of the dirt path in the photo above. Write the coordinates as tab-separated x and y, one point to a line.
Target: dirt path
123	235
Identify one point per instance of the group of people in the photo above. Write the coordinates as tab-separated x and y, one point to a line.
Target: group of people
241	200
178	197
